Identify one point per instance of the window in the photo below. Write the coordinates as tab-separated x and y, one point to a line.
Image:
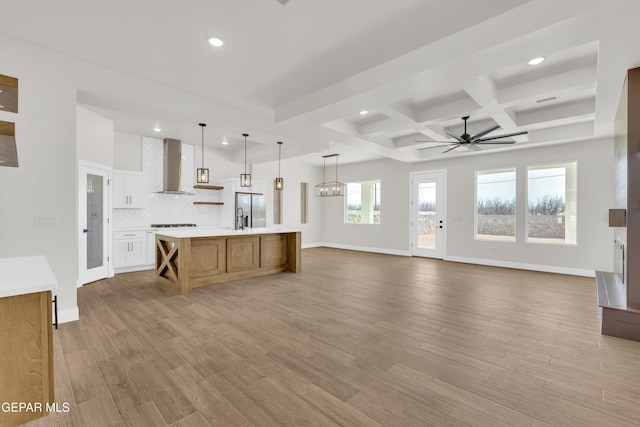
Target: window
552	200
496	205
362	203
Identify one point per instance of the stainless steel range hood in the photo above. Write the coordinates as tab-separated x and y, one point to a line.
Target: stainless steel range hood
172	172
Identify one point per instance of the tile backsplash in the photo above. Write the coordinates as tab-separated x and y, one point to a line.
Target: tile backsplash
168	208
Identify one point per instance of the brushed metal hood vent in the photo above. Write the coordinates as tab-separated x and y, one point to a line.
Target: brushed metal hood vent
172	172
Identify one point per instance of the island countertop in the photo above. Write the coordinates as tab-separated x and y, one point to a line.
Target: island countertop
183	233
25	275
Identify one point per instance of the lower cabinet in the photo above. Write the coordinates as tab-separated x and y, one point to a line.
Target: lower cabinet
151	248
26	351
129	249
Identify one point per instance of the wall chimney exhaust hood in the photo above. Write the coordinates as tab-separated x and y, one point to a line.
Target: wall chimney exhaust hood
172	172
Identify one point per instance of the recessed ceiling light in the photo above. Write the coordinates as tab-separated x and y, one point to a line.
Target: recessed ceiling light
364	112
536	61
215	41
225	142
157	129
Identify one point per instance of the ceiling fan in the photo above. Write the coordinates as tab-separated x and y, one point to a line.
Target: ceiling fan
472	140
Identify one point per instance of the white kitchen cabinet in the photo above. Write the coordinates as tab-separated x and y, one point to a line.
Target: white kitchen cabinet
151	247
130	249
128	190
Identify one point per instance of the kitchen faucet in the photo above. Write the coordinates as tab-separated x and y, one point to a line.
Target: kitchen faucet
240	218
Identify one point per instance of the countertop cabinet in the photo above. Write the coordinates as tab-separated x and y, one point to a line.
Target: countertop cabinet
128	190
26	371
26	337
130	249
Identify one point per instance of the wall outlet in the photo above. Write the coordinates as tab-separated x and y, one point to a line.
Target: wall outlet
44	221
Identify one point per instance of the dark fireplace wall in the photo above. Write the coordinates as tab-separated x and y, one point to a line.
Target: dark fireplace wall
620	180
627	181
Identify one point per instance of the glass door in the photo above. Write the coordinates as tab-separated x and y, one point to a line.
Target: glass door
93	236
428	214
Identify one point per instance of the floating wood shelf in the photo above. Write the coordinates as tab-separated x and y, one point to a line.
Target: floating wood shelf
208	203
209	187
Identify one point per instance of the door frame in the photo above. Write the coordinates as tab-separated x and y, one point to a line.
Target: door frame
83	165
442	249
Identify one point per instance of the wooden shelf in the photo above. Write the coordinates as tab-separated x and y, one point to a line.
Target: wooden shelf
208	203
208	187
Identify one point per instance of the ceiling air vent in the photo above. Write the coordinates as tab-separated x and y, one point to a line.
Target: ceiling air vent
284	2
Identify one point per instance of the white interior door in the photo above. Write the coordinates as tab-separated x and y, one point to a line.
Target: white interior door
428	214
93	222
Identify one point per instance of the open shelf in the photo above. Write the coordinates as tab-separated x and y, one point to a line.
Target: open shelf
208	203
208	187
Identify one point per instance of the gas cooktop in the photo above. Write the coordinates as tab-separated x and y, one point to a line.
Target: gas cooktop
172	225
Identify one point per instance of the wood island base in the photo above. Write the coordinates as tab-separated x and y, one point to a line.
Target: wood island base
184	263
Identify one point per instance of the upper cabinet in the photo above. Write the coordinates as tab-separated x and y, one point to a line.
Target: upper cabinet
128	190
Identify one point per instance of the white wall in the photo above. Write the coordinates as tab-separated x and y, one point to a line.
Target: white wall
294	173
44	184
127	151
593	251
94	137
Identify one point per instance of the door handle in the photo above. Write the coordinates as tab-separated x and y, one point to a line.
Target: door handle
85	230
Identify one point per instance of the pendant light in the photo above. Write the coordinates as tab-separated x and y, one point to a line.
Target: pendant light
245	178
333	188
202	174
279	180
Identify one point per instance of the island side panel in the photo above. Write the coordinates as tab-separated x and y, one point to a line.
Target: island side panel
208	257
295	252
173	262
274	250
243	253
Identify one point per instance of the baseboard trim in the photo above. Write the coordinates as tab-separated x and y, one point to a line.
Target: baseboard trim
524	266
69	315
365	249
312	245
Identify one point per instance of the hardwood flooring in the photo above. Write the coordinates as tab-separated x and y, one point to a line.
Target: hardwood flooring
356	339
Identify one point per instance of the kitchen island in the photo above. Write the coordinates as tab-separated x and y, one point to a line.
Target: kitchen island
189	258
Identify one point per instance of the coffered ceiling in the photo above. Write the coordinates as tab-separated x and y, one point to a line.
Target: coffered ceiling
302	72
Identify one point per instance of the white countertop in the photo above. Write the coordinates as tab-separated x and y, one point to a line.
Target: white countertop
25	275
182	233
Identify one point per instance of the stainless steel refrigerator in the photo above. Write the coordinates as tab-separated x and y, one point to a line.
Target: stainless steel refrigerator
250	211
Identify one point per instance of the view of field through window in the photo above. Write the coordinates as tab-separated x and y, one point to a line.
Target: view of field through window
496	205
362	204
551	204
551	198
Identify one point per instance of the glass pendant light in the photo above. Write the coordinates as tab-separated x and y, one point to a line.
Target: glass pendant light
202	174
245	178
279	180
333	188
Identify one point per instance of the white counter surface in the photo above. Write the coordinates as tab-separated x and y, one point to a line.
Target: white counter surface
25	275
182	233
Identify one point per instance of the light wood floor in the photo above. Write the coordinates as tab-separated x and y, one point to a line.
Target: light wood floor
356	339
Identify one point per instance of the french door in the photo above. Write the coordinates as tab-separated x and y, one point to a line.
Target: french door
428	214
93	222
